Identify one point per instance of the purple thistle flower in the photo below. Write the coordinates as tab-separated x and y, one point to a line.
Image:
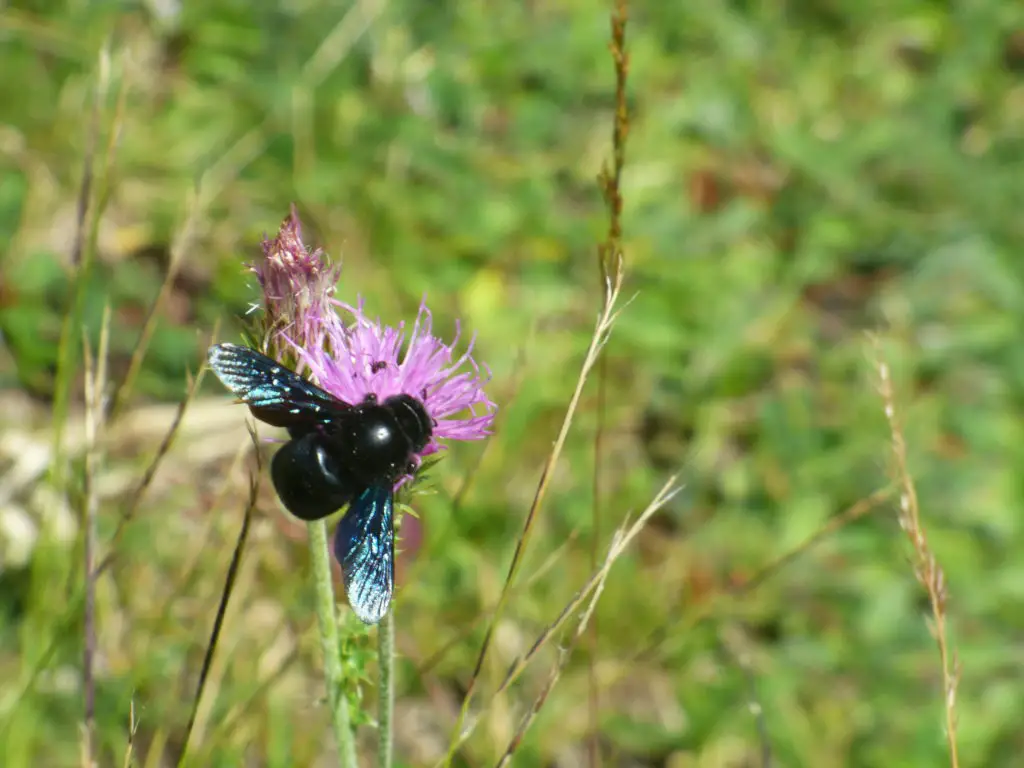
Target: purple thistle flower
384	400
367	358
352	357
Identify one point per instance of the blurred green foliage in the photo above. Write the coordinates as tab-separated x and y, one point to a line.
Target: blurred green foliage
797	174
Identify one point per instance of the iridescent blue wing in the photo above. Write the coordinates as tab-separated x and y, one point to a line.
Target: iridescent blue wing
274	394
365	546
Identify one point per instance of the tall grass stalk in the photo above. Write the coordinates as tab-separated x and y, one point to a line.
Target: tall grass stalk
81	260
95	383
320	562
620	541
610	261
606	320
225	598
926	567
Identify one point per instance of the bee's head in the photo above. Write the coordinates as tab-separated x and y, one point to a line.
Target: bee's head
413	419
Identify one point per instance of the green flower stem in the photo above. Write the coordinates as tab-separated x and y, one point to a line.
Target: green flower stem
386	693
320	559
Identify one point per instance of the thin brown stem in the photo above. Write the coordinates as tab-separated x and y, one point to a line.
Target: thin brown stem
610	261
427	666
606	319
88	208
225	597
556	672
620	542
926	567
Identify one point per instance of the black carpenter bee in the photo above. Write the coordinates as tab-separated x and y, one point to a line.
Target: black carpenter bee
338	453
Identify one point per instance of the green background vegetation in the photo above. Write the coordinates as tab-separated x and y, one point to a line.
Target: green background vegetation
798	174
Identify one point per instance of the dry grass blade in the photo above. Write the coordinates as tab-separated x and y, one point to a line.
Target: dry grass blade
556	672
610	261
605	321
225	597
95	383
147	477
622	539
84	198
528	718
427	666
926	567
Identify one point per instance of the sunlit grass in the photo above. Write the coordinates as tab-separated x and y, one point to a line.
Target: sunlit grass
792	180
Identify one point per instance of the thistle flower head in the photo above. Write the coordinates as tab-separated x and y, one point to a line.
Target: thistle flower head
363	357
338	455
352	356
298	286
